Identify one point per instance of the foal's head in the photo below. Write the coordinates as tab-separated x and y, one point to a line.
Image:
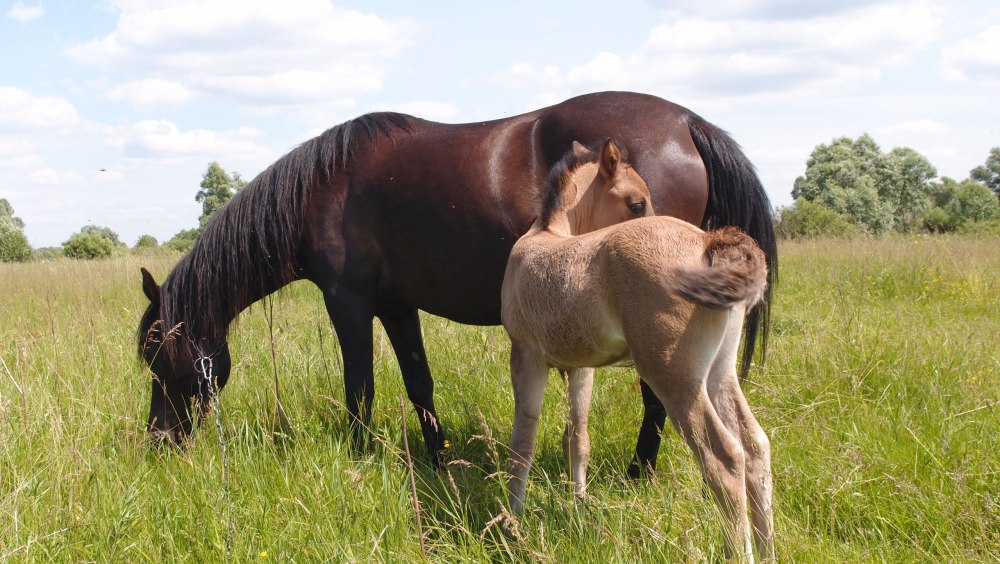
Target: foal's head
588	190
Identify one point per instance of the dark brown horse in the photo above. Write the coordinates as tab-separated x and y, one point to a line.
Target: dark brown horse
389	213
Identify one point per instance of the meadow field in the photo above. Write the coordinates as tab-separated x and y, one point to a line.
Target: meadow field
881	396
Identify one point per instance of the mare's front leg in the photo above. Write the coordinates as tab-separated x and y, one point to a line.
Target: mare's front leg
408	344
528	373
650	433
352	320
576	438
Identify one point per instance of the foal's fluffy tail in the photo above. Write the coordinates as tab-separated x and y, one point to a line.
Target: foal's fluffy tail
735	271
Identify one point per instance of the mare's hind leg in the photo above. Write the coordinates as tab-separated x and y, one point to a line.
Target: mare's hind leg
528	373
576	438
648	445
719	452
408	344
352	320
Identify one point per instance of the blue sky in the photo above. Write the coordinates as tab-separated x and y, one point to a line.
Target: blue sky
110	111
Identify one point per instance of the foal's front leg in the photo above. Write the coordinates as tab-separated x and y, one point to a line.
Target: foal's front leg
576	439
528	373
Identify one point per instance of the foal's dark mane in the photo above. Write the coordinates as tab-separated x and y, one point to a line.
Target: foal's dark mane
552	194
249	248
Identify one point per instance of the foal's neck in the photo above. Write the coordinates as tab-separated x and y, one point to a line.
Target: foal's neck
575	216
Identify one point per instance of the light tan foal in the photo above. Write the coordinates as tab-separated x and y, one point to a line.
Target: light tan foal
670	296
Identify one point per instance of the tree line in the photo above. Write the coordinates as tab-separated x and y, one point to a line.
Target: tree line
93	242
850	187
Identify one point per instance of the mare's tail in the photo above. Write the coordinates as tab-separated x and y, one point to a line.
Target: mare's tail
737	197
735	272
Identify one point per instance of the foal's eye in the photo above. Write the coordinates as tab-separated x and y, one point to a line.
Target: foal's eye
637	208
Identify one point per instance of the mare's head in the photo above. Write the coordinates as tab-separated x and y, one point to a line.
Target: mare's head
185	369
589	190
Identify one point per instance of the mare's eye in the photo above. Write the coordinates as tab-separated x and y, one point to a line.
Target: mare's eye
637	208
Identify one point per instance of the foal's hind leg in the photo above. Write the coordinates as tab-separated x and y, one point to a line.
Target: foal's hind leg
408	344
731	405
736	415
719	452
528	373
576	438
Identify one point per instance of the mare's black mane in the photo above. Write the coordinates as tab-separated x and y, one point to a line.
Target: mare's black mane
249	248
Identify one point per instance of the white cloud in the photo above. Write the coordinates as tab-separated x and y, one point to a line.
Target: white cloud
151	94
696	57
266	53
25	14
426	109
924	126
15	146
20	162
976	58
161	139
20	111
44	177
759	8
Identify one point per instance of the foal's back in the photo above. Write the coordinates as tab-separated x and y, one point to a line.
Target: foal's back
589	297
661	261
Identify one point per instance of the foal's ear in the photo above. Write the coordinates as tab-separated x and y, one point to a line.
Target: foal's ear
150	287
610	158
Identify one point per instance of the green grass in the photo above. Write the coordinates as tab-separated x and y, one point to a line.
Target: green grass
880	396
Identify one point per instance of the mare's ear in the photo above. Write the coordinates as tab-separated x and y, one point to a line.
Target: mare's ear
610	158
580	151
150	287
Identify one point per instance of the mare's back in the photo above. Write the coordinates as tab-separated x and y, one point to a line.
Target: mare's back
436	215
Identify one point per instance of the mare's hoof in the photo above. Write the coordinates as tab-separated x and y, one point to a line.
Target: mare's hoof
636	472
166	439
440	457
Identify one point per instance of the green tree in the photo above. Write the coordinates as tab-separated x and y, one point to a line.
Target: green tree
14	246
941	220
806	219
905	184
146	242
943	193
7	211
878	191
183	240
217	188
104	233
955	204
88	246
976	202
989	174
